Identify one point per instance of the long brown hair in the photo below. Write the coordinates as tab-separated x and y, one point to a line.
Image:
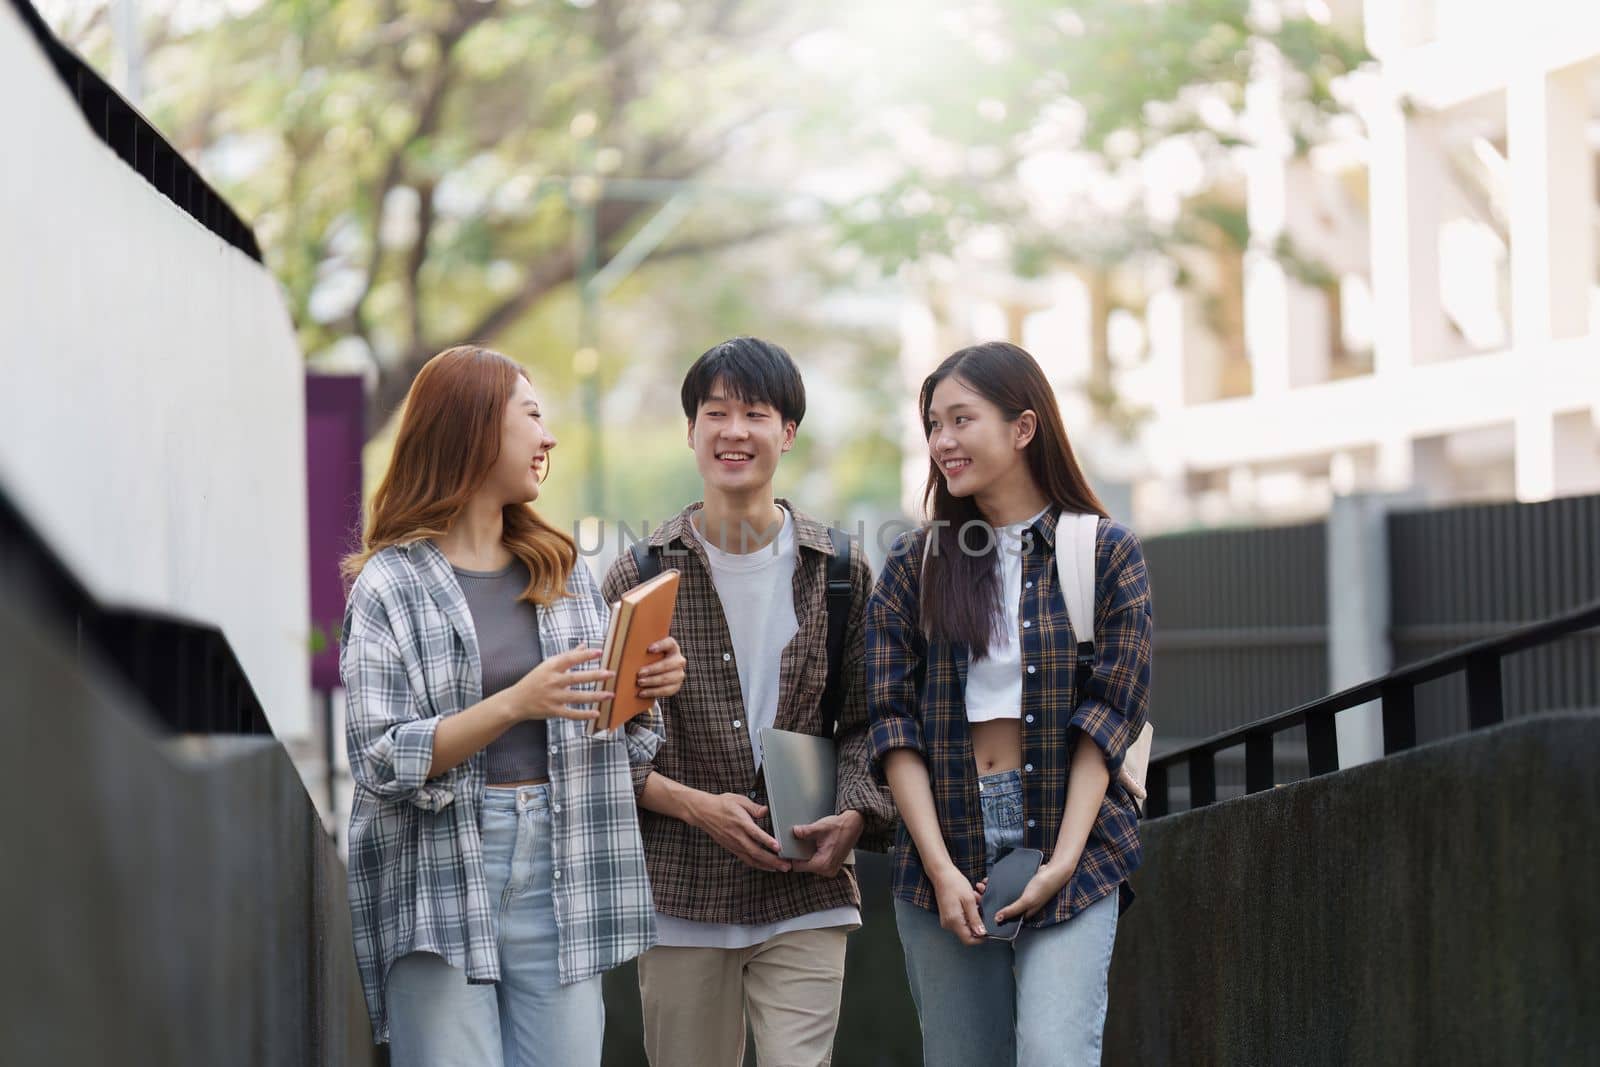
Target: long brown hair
449	440
961	590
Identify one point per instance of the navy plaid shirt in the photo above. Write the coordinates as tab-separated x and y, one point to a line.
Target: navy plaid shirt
916	699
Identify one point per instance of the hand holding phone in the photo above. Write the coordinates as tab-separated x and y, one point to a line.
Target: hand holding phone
1007	879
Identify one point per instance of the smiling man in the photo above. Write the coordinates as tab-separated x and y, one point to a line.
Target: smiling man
741	928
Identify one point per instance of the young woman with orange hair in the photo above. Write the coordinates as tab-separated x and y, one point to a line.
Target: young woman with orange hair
496	867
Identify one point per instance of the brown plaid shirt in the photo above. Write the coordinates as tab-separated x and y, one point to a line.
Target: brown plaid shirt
707	746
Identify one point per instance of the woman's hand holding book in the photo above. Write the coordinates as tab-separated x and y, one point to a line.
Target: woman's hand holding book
549	691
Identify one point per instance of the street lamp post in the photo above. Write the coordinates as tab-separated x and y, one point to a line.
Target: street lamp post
584	191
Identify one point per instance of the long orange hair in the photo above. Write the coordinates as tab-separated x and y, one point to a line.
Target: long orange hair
449	440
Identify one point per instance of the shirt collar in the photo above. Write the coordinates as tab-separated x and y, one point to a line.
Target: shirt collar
1044	527
808	532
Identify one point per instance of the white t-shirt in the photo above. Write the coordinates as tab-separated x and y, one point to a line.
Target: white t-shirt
994	683
757	594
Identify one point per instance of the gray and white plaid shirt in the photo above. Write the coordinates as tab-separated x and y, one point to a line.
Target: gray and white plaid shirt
409	657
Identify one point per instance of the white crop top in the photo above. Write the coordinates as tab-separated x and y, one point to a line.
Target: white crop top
994	683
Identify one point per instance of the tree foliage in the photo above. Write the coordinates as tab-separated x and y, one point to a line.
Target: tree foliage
416	168
412	166
1096	88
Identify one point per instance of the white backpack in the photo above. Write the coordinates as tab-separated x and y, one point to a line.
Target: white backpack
1075	574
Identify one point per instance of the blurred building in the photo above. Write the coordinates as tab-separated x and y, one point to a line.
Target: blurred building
1415	305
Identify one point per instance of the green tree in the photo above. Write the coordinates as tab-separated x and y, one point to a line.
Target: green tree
416	169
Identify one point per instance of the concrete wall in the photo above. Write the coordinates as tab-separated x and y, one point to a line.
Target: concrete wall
1433	907
152	411
167	902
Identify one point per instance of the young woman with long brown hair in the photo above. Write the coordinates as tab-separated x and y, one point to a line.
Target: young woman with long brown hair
496	867
990	734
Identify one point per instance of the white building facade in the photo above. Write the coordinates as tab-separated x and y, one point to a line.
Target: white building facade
1416	307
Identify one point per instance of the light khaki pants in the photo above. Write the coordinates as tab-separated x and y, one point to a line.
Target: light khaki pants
695	1000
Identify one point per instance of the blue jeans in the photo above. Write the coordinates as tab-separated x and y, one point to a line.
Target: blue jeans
1039	1000
528	1018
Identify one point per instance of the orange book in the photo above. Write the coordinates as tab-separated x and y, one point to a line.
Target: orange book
641	618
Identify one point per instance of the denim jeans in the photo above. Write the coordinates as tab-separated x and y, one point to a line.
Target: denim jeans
1039	1000
528	1018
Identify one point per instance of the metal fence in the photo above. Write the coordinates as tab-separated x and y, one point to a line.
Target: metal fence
1479	665
1242	619
1460	574
1241	632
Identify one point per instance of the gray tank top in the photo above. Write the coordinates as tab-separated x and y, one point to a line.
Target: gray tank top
508	645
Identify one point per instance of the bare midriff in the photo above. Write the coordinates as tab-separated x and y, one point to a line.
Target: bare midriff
997	745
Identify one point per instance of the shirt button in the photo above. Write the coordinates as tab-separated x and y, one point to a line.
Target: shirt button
726	656
1031	824
556	809
1028	767
1032	668
552	750
751	794
1026	623
1027	718
558	876
735	724
1029	585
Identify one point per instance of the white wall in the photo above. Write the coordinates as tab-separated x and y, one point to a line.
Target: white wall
151	400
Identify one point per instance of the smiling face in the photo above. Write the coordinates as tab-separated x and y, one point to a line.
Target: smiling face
970	440
737	443
525	447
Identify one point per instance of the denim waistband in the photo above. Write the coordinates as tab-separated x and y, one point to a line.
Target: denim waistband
1000	783
516	797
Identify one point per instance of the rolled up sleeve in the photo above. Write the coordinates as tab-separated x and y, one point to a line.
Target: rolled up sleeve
643	735
895	652
389	744
859	789
1115	701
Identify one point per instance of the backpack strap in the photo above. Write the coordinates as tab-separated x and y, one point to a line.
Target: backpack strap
647	561
1075	574
1075	545
838	601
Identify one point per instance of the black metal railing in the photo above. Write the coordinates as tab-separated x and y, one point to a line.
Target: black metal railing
132	136
186	671
1396	692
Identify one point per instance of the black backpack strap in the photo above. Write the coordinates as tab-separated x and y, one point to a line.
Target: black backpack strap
648	562
839	589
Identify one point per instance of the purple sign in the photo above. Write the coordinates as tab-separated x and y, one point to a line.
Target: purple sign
335	434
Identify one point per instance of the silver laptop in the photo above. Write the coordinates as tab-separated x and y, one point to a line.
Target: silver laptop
802	771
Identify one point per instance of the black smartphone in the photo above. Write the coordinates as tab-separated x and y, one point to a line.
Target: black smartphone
1008	877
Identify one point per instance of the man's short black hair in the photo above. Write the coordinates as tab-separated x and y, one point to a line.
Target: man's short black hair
753	371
